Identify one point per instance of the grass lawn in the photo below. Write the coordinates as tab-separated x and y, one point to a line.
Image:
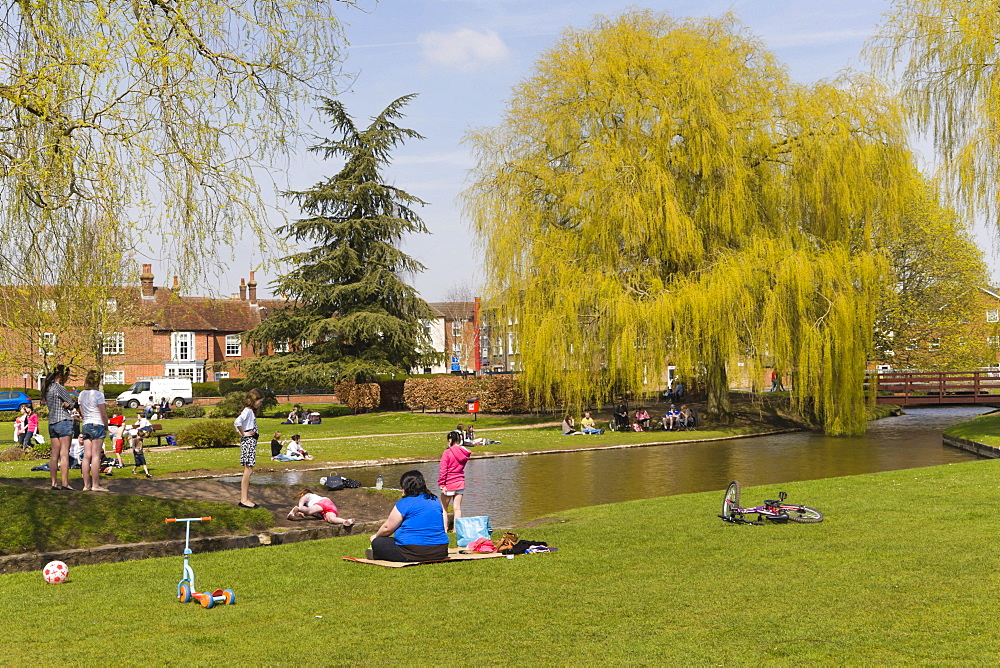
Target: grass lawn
396	439
41	520
983	429
901	571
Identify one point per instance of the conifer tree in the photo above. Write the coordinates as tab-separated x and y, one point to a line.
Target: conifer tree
659	192
350	313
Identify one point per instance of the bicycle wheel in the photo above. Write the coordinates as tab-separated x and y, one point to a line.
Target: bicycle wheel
803	514
731	500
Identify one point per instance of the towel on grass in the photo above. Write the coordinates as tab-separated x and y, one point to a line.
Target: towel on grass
454	554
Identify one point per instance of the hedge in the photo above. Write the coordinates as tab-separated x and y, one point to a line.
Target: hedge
496	394
208	434
358	395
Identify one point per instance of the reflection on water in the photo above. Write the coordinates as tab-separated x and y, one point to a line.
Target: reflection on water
516	489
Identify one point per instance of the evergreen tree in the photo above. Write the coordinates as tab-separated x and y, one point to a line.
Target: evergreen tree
350	313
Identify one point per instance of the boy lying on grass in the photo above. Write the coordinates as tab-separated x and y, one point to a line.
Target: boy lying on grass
316	506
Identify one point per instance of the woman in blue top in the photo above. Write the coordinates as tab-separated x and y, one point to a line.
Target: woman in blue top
417	522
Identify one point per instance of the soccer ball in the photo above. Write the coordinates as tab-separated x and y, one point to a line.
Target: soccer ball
55	572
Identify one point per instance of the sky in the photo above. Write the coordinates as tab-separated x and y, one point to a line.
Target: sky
462	58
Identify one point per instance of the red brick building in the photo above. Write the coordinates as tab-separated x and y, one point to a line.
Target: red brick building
163	333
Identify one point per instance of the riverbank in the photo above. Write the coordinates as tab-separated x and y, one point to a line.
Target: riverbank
646	582
387	438
980	435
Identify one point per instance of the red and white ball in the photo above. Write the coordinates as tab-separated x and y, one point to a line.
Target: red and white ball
55	572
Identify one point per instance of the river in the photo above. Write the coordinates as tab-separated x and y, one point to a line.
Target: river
515	489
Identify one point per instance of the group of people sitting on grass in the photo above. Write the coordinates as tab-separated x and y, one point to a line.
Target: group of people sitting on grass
674	419
293	450
587	426
153	410
298	415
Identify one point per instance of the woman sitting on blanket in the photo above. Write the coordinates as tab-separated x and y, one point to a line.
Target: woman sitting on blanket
415	528
320	507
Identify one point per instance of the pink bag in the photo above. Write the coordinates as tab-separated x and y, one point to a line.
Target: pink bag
482	545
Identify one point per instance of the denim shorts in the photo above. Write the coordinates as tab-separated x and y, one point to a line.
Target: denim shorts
61	428
93	432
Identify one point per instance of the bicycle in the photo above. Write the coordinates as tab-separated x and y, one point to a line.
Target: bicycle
775	511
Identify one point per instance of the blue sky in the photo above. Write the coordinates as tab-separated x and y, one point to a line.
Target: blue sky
463	56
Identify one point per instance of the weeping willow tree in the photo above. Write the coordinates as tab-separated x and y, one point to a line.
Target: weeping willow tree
945	53
126	123
660	192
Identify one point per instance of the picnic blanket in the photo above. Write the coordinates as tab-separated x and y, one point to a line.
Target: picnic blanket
454	554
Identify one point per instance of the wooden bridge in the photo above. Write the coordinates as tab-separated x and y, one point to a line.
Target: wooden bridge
948	387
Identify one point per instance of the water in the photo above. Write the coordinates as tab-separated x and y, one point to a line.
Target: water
516	489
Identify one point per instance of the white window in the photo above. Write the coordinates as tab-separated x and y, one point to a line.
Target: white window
234	345
49	305
511	347
934	344
456	347
112	305
114	377
993	341
182	346
219	375
303	344
281	346
993	315
456	328
195	373
113	343
47	345
912	345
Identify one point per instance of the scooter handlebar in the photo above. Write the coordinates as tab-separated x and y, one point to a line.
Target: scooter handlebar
187	519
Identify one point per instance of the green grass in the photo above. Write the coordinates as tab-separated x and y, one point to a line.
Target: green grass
394	440
41	520
983	429
902	571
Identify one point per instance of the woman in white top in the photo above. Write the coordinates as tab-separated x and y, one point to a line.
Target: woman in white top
246	425
294	449
93	431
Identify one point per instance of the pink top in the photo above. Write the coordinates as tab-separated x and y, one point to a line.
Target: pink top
453	461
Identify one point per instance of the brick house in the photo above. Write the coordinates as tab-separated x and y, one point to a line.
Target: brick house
164	333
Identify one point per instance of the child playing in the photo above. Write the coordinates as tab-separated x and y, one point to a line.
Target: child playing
314	505
140	457
452	474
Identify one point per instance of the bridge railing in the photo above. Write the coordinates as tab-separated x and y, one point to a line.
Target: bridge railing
928	387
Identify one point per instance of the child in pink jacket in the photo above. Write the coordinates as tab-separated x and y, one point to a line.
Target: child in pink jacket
452	475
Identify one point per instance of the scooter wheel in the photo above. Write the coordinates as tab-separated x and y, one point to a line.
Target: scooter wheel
207	600
184	592
230	596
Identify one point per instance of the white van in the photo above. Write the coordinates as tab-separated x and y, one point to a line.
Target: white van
178	392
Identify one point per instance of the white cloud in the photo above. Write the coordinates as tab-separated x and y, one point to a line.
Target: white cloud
466	50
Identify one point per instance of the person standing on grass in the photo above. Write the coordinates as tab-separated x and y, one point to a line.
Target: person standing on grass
246	425
451	478
139	454
94	414
116	427
29	427
60	402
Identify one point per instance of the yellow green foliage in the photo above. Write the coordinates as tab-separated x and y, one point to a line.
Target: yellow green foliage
660	192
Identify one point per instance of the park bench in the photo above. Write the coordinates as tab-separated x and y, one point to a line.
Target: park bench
159	434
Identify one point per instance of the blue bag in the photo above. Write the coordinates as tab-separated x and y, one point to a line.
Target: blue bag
471	528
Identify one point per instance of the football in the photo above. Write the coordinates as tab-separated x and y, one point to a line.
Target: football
55	572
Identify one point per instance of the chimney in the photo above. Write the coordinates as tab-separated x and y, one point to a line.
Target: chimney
243	289
146	281
253	288
177	284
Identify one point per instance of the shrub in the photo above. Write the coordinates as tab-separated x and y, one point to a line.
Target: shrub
497	394
9	416
14	453
230	406
42	412
193	412
210	389
208	434
358	395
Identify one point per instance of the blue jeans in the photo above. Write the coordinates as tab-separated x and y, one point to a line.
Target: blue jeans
592	430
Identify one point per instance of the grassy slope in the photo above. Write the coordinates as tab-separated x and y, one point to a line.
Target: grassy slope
901	571
392	445
41	520
983	429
